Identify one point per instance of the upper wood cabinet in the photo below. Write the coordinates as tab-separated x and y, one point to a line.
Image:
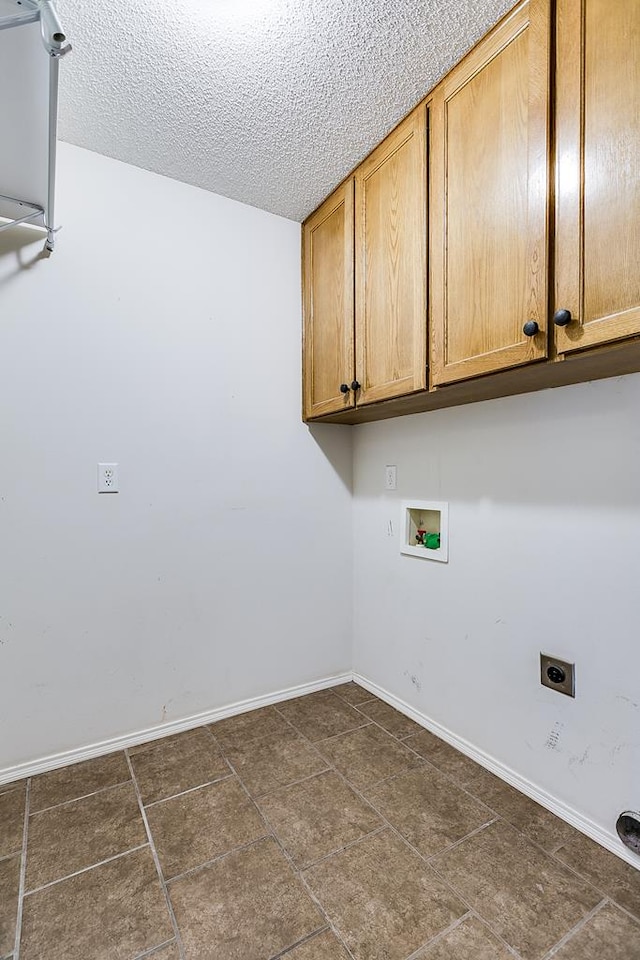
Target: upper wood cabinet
328	285
391	264
489	158
598	172
520	143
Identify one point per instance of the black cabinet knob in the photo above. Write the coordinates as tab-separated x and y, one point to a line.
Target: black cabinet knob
530	328
562	317
355	385
344	388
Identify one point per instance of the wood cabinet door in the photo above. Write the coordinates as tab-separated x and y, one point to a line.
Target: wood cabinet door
391	263
597	172
489	207
328	300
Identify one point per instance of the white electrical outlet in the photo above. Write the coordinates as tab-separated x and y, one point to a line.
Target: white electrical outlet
107	478
390	476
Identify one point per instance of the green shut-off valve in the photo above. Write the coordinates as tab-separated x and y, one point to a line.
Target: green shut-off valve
429	540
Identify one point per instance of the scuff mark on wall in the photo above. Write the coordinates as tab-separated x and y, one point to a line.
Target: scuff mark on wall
628	700
414	680
581	759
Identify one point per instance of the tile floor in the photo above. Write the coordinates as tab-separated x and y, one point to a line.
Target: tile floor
329	827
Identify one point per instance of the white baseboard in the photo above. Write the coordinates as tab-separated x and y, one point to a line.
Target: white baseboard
608	840
45	764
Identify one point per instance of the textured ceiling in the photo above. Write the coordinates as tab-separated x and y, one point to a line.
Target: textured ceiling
270	102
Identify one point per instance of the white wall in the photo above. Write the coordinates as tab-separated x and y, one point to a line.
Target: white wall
164	334
544	494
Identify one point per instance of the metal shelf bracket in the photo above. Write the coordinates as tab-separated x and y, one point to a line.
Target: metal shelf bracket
56	45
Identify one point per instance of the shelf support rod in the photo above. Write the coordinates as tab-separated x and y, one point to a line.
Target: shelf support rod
37	212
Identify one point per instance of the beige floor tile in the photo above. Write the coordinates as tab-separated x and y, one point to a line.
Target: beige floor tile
392	720
112	912
12	810
526	896
321	715
81	833
171	766
13	785
428	809
203	824
265	765
184	737
609	935
77	780
470	940
445	757
383	900
255	725
317	817
368	755
325	946
9	887
353	693
534	821
164	953
247	906
617	879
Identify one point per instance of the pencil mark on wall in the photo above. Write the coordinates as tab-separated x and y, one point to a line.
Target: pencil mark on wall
553	740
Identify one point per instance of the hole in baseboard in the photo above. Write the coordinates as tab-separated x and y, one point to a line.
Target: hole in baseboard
628	827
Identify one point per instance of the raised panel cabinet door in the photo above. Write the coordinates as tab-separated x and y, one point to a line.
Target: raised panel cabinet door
597	295
489	205
391	264
328	297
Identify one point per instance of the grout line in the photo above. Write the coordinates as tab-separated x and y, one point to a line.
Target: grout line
625	910
9	788
583	877
23	871
10	856
156	860
575	929
201	786
457	843
475	911
296	872
403	840
361	703
386	825
428	763
84	796
487	925
77	873
335	736
346	846
299	943
153	950
328	767
439	936
294	783
221	856
357	792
